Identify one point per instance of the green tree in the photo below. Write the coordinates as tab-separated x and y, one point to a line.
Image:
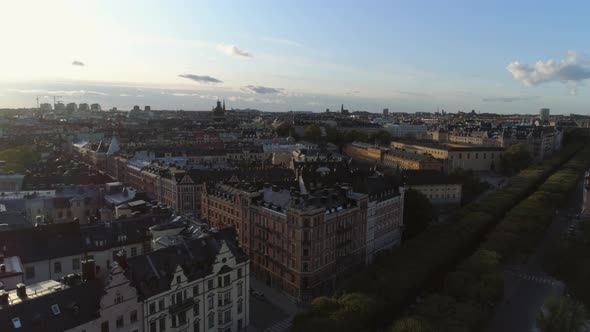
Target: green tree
562	315
515	159
418	213
381	137
412	324
284	130
313	133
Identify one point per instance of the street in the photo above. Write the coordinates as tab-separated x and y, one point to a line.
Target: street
274	313
526	285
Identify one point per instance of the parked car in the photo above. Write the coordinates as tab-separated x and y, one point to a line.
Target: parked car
257	295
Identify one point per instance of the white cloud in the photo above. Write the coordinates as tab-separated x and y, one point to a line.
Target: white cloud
233	50
571	70
78	63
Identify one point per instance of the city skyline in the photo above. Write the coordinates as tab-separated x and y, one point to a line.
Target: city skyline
303	57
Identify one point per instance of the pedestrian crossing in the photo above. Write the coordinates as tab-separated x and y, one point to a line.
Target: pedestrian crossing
535	278
282	326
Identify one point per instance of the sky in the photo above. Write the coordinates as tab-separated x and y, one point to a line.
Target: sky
491	56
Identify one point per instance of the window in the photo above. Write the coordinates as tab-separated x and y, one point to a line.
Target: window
210	284
178	279
239	273
226	280
240	306
161	304
57	267
133	317
119	322
162	324
118	297
219	282
240	288
227	316
104	327
211	320
152	308
210	301
153	327
177	298
133	251
182	318
76	264
195	290
30	272
197	325
227	298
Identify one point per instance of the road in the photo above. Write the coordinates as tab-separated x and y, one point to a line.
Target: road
273	314
526	285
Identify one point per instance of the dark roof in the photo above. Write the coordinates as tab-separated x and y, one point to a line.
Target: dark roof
67	239
152	273
36	315
43	242
133	230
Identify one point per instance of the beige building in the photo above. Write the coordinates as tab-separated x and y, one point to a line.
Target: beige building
453	156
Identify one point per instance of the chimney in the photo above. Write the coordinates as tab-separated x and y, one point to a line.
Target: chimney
3	298
88	270
21	290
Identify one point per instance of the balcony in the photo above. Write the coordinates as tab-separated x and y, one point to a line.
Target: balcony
184	305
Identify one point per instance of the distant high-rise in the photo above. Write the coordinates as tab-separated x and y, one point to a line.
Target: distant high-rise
544	114
136	108
83	107
46	107
342	110
386	112
147	108
60	106
72	107
95	107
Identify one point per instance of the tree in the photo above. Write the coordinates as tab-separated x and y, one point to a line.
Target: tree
418	213
382	137
313	133
412	324
561	315
515	159
284	130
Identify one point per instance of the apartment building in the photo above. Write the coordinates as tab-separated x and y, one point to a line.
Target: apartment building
300	241
197	284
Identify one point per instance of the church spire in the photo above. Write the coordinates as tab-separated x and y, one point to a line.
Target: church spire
224	104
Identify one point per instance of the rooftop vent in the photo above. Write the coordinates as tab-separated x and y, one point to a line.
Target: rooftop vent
21	290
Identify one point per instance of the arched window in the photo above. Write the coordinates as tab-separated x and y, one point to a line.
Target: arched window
197	325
